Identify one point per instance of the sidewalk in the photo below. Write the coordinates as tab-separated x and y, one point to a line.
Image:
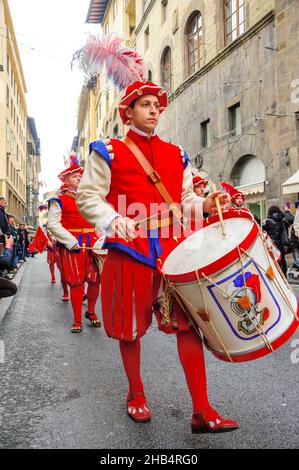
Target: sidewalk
5	303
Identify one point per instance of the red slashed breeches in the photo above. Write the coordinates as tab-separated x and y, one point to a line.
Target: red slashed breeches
76	269
129	293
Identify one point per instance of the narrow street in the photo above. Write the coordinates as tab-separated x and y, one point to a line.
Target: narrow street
60	390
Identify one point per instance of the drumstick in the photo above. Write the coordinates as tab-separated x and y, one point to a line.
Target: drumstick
218	205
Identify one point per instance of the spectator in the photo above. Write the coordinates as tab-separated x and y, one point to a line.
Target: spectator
6	248
23	242
7	288
3	218
295	237
276	225
14	233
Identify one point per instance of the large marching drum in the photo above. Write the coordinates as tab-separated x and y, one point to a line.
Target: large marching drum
232	288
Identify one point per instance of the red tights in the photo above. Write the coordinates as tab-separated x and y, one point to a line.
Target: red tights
77	294
65	288
52	271
192	359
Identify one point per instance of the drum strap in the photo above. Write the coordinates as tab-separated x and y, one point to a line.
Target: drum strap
153	176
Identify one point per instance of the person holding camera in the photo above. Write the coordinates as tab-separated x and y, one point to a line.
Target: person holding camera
7	288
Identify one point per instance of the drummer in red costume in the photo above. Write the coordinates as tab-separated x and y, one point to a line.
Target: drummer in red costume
131	283
72	231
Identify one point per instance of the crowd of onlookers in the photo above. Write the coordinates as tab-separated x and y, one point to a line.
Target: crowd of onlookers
283	229
14	243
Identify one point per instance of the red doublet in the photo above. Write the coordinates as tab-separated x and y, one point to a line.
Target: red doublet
129	179
77	267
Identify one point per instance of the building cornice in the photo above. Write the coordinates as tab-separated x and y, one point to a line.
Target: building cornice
223	54
145	15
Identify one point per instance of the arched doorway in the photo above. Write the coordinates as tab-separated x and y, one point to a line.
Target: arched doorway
249	175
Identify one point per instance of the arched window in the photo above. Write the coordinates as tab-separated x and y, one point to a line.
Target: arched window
195	40
166	69
249	170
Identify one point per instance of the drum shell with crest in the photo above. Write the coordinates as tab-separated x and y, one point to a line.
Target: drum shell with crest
232	288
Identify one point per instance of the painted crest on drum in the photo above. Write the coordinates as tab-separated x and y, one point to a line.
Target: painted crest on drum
241	288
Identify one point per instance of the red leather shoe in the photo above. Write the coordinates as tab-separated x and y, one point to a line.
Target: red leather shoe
209	421
137	408
65	298
95	322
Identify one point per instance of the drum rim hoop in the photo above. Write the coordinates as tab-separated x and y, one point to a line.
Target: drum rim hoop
227	259
251	356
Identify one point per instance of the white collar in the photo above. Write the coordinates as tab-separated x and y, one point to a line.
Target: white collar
143	134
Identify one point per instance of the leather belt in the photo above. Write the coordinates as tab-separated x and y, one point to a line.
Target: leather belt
155	224
82	230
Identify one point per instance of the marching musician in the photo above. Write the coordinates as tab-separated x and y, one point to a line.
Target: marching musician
237	197
200	185
113	183
75	238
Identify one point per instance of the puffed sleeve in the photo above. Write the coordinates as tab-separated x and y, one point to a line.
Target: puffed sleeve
56	229
93	189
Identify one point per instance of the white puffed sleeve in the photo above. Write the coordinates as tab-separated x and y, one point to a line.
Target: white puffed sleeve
92	192
61	234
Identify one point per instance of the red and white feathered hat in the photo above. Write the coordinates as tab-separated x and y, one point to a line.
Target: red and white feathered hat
74	167
137	90
199	181
233	192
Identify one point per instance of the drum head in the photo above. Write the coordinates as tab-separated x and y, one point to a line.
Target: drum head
208	245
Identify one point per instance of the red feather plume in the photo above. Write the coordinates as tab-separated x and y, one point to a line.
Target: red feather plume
123	65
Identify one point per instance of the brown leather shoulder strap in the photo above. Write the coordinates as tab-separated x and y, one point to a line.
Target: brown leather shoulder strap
152	174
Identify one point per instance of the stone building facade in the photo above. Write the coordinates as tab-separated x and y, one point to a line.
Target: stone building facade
33	170
232	71
13	118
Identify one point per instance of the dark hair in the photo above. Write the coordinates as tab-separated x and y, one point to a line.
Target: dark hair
2	239
272	210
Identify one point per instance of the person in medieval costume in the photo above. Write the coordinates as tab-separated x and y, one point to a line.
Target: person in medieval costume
130	281
237	197
75	239
200	185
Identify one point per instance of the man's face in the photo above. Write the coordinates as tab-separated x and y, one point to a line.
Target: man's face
200	190
73	181
22	226
11	220
238	201
3	203
145	114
